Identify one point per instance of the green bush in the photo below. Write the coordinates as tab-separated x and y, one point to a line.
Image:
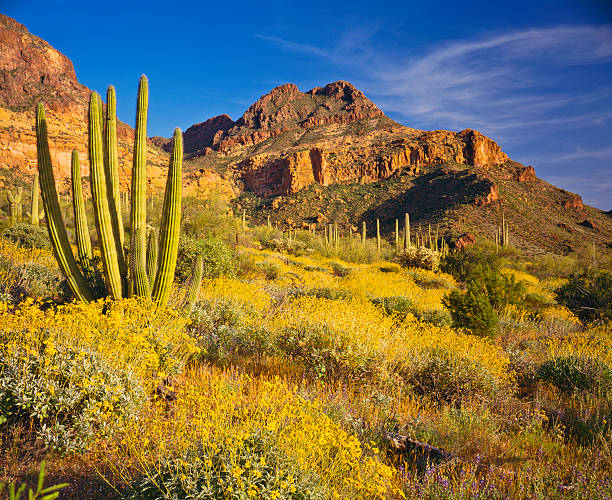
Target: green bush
217	257
225	329
339	270
208	473
572	374
27	235
473	311
283	245
54	393
270	269
588	295
31	280
402	306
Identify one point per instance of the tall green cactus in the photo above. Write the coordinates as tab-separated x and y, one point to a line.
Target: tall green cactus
363	233
170	224
107	201
406	230
378	235
35	214
138	215
102	215
111	170
53	215
80	217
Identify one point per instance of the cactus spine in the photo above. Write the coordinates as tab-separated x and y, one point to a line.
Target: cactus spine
170	224
80	218
138	214
55	224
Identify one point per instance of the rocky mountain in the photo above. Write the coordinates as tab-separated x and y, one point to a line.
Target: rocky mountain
328	154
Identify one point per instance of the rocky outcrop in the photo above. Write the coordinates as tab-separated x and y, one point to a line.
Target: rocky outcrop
465	240
32	71
271	175
573	201
525	174
203	135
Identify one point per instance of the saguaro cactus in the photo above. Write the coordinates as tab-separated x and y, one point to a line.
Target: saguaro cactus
406	230
363	233
80	217
107	200
378	235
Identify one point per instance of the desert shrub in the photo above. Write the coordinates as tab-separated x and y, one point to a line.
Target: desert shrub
577	374
421	257
47	493
253	468
270	269
67	395
208	217
93	272
588	295
225	328
29	280
400	307
217	258
27	236
241	436
472	310
284	245
339	270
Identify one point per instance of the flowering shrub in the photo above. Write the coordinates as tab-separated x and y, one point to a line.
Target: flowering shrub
283	245
234	436
422	257
75	369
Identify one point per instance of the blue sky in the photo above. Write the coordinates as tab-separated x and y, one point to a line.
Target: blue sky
536	76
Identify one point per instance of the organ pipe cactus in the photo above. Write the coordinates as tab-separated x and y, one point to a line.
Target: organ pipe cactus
53	215
152	253
80	217
378	235
107	199
406	230
193	289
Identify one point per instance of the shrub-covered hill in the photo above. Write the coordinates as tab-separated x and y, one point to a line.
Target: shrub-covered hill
458	198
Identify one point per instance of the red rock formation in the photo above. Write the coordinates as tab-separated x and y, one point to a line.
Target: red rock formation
491	195
32	71
465	240
202	135
525	174
573	201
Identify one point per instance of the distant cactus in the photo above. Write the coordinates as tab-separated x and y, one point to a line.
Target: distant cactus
363	233
406	230
15	207
35	214
378	235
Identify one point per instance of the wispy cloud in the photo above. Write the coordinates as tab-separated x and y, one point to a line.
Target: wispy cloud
507	80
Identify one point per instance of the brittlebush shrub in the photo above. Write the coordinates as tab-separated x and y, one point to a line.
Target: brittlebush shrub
472	311
27	236
72	371
355	340
231	435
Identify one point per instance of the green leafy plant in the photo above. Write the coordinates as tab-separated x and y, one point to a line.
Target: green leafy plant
473	311
588	295
48	493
